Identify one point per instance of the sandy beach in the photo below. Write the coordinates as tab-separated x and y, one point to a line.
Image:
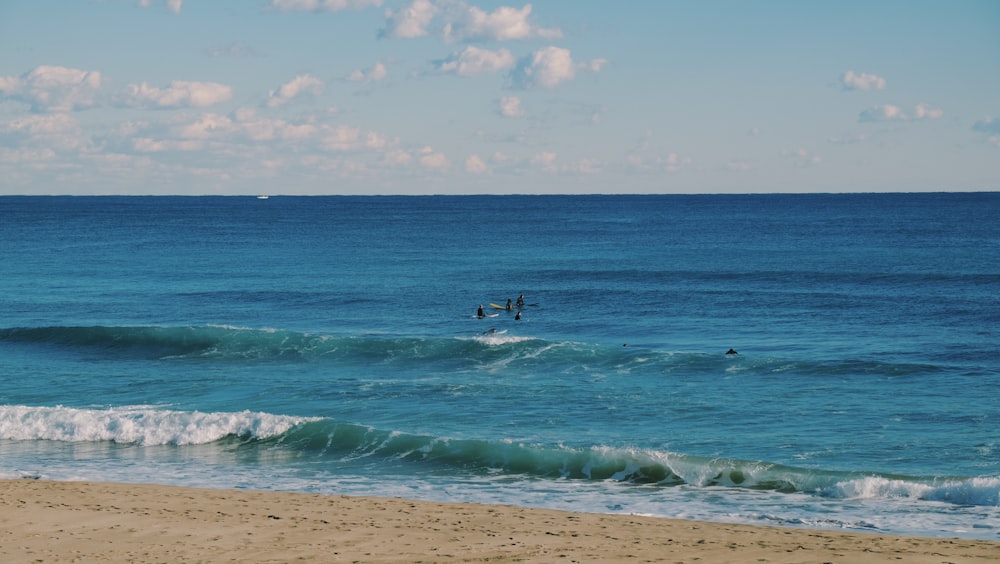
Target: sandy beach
83	522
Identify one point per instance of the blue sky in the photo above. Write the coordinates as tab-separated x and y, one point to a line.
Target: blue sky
492	97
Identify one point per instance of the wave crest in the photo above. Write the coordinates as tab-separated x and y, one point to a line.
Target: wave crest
138	425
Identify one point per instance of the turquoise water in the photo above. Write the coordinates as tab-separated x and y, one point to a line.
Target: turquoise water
331	344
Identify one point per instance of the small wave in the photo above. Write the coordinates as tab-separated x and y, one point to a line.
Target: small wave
138	425
958	491
237	344
340	442
228	343
218	341
346	441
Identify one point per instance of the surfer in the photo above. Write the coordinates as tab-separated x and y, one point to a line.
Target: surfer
509	306
490	331
479	312
517	316
731	351
520	301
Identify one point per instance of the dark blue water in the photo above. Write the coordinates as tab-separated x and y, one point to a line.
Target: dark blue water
330	344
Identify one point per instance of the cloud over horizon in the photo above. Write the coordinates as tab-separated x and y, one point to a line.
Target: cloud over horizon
178	94
551	97
50	88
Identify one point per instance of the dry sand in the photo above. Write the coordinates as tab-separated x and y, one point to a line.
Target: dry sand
45	521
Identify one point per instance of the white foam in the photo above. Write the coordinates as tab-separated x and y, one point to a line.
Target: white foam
500	338
972	491
142	425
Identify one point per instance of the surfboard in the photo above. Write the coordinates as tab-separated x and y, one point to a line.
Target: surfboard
497	306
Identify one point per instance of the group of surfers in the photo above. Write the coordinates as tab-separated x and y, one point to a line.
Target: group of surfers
509	307
517	317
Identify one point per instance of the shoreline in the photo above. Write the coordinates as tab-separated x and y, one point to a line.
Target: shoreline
45	521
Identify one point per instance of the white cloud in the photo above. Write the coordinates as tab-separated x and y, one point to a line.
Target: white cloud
549	67
863	81
179	94
172	5
473	60
434	161
923	111
885	112
322	5
457	21
27	157
397	157
546	67
342	138
376	72
206	127
53	88
55	131
249	124
411	21
510	106
244	125
474	164
987	125
302	84
41	125
469	23
149	145
890	112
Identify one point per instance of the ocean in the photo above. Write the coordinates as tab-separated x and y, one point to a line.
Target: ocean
332	345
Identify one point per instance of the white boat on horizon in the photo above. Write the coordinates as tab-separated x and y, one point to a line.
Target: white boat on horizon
263	197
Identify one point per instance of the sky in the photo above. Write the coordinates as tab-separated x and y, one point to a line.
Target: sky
334	97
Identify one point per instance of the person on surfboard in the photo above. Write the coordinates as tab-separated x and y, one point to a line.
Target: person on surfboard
479	312
520	301
509	306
